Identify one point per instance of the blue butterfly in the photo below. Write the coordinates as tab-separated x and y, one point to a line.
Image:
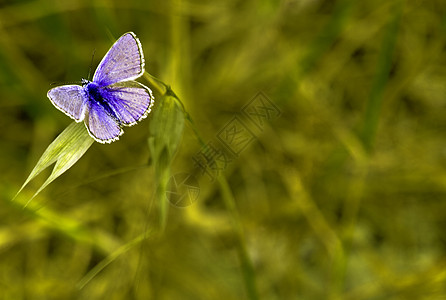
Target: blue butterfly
113	99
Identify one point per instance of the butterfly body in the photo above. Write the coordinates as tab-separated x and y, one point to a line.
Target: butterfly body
98	96
113	99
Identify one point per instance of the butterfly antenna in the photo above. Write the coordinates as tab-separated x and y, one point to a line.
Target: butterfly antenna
91	64
66	82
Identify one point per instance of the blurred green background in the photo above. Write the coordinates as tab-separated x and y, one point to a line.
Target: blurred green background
340	194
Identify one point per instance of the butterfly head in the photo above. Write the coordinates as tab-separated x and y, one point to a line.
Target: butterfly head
84	82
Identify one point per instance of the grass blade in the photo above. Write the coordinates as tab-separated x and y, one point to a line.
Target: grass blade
381	79
65	150
111	258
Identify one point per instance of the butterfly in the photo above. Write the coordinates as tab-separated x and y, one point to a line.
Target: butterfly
113	98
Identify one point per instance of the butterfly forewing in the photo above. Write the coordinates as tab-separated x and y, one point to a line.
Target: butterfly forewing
70	99
124	61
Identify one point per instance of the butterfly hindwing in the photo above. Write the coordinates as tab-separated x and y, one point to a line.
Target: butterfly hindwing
102	126
130	100
124	61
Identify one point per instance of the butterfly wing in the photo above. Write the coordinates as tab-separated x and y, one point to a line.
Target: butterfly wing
130	100
102	126
70	99
124	61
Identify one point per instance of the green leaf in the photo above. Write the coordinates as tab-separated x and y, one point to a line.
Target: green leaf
65	150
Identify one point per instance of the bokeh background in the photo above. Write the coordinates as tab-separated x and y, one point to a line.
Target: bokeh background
340	194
